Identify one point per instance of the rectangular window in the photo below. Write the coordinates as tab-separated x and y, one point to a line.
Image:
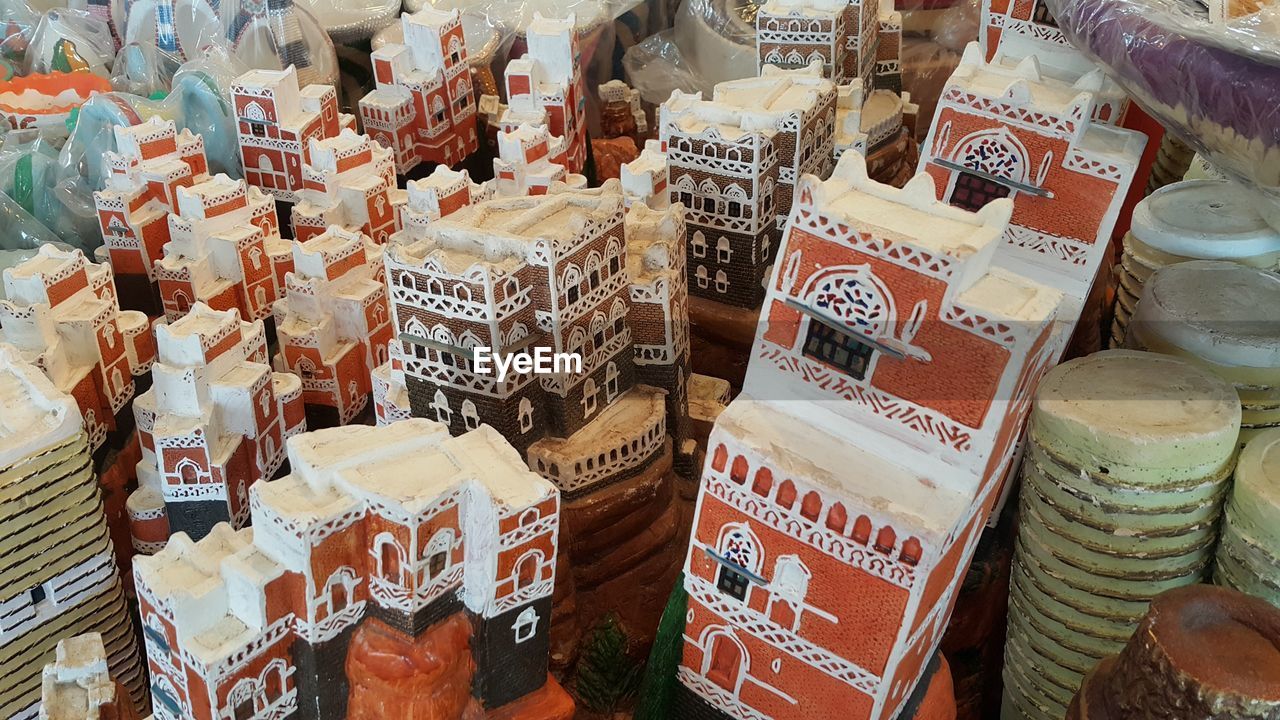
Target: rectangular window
732	583
436	564
973	192
840	350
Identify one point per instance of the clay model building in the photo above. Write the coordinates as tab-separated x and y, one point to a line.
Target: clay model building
78	685
553	274
349	181
152	160
213	423
859	46
545	88
397	572
644	180
847	486
275	124
1005	130
57	570
623	126
224	250
62	316
423	108
333	324
1014	29
530	159
733	162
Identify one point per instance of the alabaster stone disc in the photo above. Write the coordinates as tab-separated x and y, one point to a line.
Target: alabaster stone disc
1202	220
1254	507
1138	417
1219	311
1115	629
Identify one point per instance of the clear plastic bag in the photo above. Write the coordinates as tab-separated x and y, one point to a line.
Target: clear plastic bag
711	41
263	34
66	40
1216	85
349	21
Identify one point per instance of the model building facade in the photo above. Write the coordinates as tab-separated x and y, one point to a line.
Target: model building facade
423	108
733	162
333	324
276	122
213	423
516	274
398	539
349	181
61	315
847	486
224	251
1008	131
152	160
78	685
858	45
60	576
545	88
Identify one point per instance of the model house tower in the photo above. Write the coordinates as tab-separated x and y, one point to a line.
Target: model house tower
423	108
1006	130
78	685
530	160
733	161
59	571
350	182
152	160
545	87
399	539
847	486
61	316
224	250
213	423
644	180
1011	31
333	324
276	121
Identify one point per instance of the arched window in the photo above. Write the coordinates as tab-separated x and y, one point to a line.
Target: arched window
911	551
787	494
438	551
390	559
885	539
837	517
528	569
273	680
722	282
254	112
189	472
589	393
740	553
719	458
724	252
470	417
738	473
811	506
763	483
526	415
700	274
241	700
526	624
724	660
861	530
698	244
611	381
441	405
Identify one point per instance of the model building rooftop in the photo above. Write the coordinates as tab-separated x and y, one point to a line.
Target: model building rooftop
36	415
776	90
1022	82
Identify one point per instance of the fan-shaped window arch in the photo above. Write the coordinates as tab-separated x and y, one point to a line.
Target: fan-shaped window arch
994	152
855	297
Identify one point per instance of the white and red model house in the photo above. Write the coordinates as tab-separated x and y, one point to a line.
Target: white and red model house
846	488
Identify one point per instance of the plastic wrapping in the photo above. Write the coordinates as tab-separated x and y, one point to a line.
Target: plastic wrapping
512	15
710	42
1216	85
349	21
265	34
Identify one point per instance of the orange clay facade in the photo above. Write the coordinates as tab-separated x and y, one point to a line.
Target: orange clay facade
894	367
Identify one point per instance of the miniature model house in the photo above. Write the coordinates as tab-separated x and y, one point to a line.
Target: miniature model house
732	162
621	113
529	160
1012	30
545	88
213	423
224	251
350	181
276	122
423	109
858	46
644	180
78	685
60	575
399	539
61	316
152	160
333	324
1008	131
517	274
846	488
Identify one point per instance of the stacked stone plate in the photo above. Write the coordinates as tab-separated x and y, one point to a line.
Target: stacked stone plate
1127	463
1192	220
1249	553
1224	317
